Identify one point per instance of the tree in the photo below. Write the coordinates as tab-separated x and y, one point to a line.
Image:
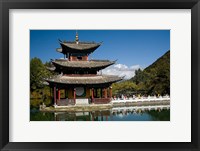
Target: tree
37	73
125	87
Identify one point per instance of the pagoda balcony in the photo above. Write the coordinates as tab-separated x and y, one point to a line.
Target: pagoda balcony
82	63
101	100
65	102
70	102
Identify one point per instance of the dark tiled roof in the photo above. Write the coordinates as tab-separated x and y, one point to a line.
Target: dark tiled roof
96	79
81	45
83	64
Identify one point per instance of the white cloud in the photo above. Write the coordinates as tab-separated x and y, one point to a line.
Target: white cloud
121	70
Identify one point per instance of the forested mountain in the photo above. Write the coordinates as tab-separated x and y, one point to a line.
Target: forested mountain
156	77
153	80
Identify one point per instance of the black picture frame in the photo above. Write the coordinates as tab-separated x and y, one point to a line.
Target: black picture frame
5	5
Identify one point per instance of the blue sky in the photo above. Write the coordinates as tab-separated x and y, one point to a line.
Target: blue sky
131	48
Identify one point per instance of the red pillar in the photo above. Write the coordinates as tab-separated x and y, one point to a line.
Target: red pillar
74	96
59	94
54	95
110	92
105	93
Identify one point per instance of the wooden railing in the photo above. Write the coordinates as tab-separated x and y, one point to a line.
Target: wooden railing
101	100
65	102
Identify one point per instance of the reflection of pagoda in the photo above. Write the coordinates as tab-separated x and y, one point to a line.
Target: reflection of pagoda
78	78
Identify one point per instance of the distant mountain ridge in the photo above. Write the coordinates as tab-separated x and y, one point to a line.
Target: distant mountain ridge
163	60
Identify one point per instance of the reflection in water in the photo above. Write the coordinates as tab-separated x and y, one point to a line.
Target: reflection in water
125	114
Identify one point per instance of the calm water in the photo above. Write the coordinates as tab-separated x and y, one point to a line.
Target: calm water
108	115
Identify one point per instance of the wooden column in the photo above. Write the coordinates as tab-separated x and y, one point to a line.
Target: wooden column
59	94
110	92
101	93
74	96
54	95
105	93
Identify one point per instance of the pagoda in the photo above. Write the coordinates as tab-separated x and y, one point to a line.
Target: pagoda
78	76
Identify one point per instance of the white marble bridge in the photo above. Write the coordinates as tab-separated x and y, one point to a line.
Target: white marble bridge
141	99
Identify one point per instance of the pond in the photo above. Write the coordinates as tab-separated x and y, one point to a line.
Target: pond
107	115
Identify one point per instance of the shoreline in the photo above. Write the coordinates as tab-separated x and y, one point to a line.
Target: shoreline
100	107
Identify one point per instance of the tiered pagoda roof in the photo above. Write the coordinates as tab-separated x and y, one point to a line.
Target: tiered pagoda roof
84	79
98	64
75	71
78	47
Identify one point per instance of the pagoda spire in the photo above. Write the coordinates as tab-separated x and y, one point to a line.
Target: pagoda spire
77	40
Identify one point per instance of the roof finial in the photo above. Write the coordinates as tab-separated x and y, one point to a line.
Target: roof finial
77	37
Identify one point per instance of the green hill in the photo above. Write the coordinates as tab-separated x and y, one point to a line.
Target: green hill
155	79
